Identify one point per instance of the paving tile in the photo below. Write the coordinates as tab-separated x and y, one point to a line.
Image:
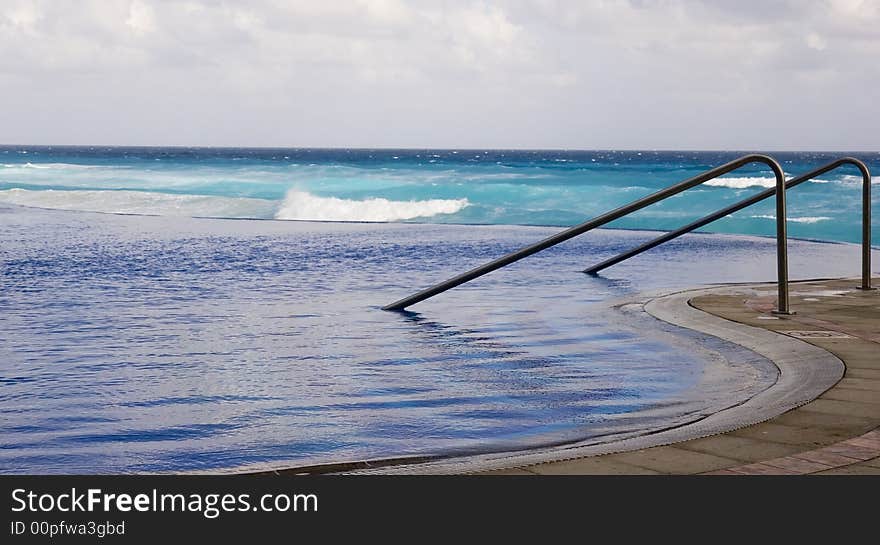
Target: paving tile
867	442
739	448
763	469
811	437
675	460
851	394
511	471
595	465
823	456
846	408
855	425
723	472
851	451
855	469
863	373
874	462
797	465
867	384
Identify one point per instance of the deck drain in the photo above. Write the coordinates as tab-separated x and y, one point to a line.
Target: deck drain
817	334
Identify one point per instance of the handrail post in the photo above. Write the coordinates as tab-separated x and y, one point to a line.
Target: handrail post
866	233
782	304
866	221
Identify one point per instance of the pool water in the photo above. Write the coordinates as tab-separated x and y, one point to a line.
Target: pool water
142	344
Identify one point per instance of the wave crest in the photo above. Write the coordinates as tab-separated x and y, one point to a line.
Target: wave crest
141	202
745	183
49	166
802	219
300	205
297	205
742	183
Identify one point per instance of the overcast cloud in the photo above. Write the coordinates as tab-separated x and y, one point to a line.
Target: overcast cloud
773	74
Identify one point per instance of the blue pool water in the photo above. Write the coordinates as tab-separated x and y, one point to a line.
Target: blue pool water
169	343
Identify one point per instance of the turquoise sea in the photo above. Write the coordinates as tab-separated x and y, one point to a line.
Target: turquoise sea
554	188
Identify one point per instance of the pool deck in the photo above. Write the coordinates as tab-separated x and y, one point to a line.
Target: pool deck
836	433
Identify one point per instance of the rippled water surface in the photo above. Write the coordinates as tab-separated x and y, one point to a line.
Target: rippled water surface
135	343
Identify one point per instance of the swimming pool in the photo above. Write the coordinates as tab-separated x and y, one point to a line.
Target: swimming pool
141	344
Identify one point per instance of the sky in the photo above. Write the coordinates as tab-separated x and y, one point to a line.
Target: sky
541	74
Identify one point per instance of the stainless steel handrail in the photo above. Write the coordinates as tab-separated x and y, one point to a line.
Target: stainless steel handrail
781	235
866	218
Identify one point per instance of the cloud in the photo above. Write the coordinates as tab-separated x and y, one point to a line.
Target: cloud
141	18
537	73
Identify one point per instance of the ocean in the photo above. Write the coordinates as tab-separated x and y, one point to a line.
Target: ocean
497	187
161	310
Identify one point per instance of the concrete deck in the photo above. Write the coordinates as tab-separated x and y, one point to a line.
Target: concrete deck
835	433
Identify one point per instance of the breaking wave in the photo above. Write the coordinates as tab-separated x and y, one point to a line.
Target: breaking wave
50	166
299	205
742	183
141	202
803	219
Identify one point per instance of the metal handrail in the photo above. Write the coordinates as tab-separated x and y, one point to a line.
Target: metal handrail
866	218
781	235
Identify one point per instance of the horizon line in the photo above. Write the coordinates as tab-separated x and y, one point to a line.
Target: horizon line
393	148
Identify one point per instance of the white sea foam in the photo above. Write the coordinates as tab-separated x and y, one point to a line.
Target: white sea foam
142	202
300	205
746	182
49	166
848	180
297	205
742	183
802	219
